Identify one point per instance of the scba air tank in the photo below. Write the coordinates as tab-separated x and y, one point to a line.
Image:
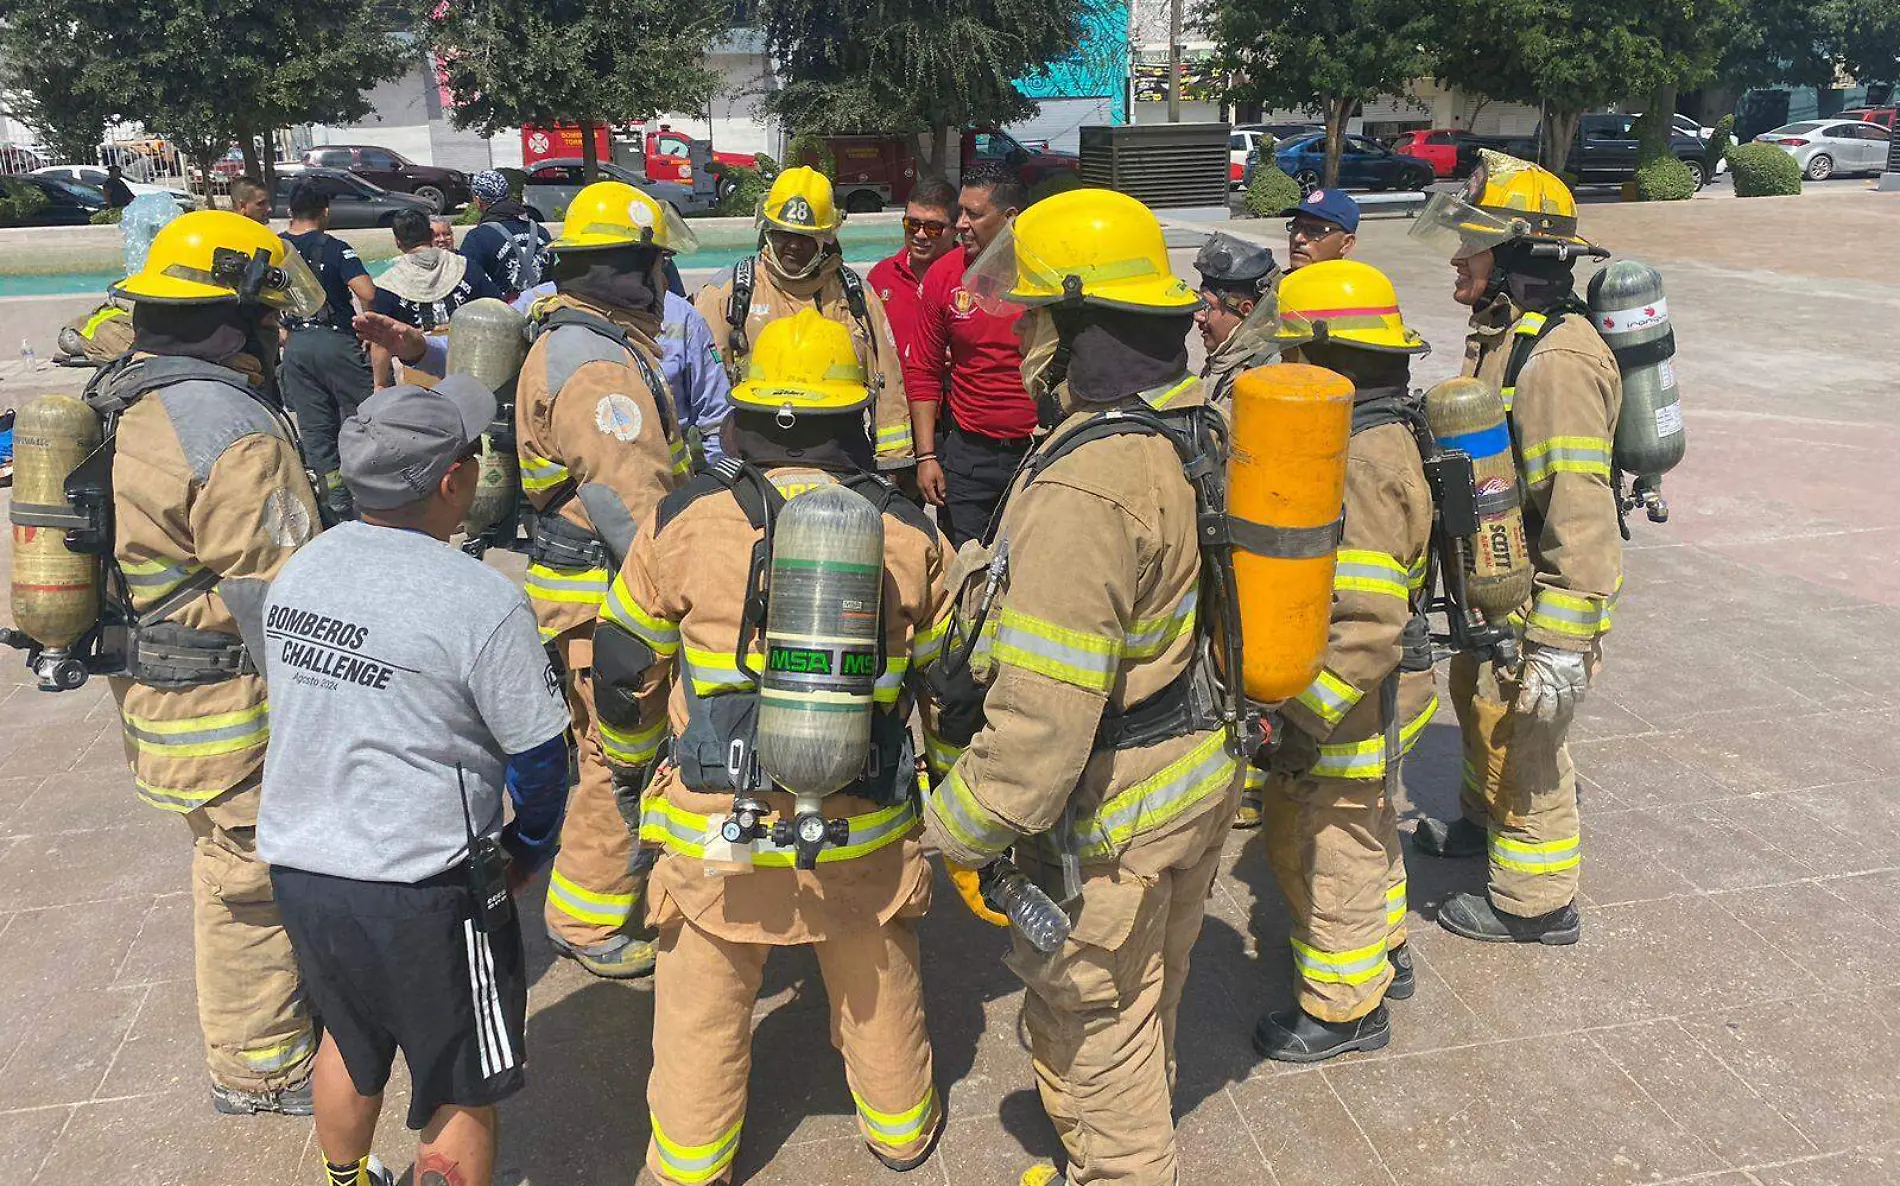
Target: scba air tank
1467	415
1286	483
822	621
55	589
1631	312
487	341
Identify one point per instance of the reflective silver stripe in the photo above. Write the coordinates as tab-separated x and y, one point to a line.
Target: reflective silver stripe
972	824
1150	636
1206	769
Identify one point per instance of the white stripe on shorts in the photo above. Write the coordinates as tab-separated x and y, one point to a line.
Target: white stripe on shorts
477	992
507	1059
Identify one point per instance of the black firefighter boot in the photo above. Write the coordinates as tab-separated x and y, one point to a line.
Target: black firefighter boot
1294	1035
1454	839
1404	978
1474	917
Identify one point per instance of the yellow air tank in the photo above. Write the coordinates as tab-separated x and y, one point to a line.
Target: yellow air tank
55	589
1286	485
1467	415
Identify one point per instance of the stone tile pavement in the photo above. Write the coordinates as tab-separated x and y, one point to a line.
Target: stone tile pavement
1727	1020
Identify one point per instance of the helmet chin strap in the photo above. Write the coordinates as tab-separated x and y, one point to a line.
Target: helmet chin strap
770	251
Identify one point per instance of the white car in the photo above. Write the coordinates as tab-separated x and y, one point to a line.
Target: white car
94	177
1240	145
1825	147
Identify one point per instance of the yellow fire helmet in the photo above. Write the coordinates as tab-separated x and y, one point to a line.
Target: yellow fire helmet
1504	200
615	214
1343	300
801	201
805	363
219	255
1081	246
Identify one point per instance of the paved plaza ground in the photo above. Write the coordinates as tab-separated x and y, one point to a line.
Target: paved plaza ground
1729	1018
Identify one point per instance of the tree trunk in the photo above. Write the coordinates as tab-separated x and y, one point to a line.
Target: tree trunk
590	153
1471	121
949	142
270	165
247	145
1174	61
1559	131
1662	108
1337	112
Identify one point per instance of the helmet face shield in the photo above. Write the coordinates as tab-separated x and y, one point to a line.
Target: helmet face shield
1260	329
673	234
1453	225
992	276
301	293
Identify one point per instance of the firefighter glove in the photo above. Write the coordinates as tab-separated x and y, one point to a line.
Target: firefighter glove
967	881
1551	684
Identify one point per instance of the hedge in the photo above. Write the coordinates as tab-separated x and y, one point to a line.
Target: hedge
1664	179
1719	144
1763	171
1272	192
743	200
19	202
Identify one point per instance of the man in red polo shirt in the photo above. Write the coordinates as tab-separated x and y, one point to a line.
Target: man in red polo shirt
970	359
930	223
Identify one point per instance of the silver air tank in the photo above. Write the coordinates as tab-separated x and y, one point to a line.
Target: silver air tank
822	623
1628	308
487	340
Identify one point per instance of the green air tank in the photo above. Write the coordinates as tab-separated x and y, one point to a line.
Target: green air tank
487	340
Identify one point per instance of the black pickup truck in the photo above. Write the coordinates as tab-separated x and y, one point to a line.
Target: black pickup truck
1604	151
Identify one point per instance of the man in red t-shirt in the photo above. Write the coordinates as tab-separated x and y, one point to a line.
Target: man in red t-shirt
930	219
970	359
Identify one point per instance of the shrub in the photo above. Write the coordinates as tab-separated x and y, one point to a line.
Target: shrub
1272	190
1719	144
1664	179
809	148
1763	171
742	200
19	202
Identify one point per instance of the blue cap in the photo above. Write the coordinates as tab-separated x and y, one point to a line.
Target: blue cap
1334	205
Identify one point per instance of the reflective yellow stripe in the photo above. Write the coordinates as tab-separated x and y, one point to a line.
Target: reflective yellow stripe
200	737
620	608
1148	637
1342	967
584	905
1366	759
1253	778
150	580
176	799
926	645
681	456
1528	326
539	474
1364	571
975	826
893	438
1539	857
1164	796
268	1059
1569	614
695	1163
635	747
942	754
1329	698
895	1130
891	684
98	319
1415	577
1073	656
1566	455
1394	905
1160	400
566	586
684	833
714	671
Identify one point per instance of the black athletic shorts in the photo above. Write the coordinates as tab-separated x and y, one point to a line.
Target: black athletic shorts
391	967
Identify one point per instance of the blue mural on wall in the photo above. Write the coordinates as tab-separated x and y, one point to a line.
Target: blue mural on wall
1098	67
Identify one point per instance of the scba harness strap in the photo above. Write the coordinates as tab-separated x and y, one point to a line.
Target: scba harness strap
739	309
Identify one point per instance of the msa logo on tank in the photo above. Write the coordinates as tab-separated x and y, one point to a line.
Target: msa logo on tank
326	652
821	661
798	211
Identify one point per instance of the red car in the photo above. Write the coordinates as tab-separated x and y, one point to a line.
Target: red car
1451	151
1884	116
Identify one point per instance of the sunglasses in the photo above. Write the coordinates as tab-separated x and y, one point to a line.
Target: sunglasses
1308	229
930	229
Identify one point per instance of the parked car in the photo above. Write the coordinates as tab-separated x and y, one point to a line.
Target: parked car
1451	152
354	202
1824	148
67	203
1283	131
878	171
552	184
1364	163
444	190
1241	145
93	177
1884	116
1605	152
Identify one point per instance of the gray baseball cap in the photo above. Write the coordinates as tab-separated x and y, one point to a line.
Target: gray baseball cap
404	438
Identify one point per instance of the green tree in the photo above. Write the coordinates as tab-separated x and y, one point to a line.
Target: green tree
1321	55
898	66
54	94
549	62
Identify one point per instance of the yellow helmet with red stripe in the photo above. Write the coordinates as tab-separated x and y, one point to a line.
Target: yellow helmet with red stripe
1343	300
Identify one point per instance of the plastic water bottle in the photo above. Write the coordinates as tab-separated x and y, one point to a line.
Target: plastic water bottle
1033	913
27	357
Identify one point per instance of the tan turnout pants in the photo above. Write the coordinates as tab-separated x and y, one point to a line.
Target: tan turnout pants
1101	1011
1334	846
592	892
704	991
1520	784
257	1031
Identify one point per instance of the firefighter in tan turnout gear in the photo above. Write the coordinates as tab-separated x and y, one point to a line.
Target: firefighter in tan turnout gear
1091	762
1332	830
210	497
1514	243
792	598
800	266
599	447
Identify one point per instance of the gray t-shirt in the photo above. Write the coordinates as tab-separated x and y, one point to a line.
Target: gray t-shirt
393	657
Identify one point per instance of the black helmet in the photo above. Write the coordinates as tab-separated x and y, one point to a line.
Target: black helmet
1235	265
